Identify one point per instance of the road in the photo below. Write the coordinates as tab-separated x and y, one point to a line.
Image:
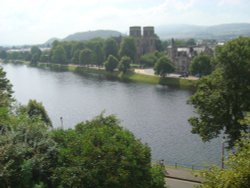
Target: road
174	183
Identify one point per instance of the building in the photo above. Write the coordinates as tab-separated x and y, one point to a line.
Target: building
182	56
144	42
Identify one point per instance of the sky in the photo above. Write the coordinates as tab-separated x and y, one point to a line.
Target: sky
36	21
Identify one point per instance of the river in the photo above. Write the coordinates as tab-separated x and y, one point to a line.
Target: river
155	114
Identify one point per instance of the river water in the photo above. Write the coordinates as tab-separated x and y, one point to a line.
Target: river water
155	114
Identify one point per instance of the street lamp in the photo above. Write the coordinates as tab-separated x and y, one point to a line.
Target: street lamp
61	119
222	152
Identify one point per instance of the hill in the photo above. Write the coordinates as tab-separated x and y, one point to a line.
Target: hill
81	36
218	32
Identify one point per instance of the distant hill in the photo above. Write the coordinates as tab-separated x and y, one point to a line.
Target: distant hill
218	32
50	41
81	36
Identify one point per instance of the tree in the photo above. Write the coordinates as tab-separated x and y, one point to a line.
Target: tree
222	98
148	60
37	110
99	54
58	54
128	48
163	66
110	47
3	54
75	58
27	154
35	54
201	65
237	173
111	63
124	64
5	90
100	153
86	57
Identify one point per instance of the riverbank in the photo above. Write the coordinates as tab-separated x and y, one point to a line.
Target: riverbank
130	76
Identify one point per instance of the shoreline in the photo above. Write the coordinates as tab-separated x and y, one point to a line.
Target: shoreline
131	76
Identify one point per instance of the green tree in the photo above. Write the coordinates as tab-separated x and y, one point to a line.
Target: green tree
35	54
124	64
100	154
86	57
36	110
110	47
58	54
163	66
201	65
5	90
128	48
237	173
75	58
3	54
148	60
27	154
222	98
99	54
111	63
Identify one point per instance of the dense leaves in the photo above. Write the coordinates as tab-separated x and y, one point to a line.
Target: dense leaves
222	98
99	153
163	66
111	63
237	173
128	48
124	64
201	65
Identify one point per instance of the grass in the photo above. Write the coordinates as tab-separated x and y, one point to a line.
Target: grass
130	76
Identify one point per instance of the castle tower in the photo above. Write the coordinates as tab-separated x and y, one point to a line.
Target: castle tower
135	31
148	39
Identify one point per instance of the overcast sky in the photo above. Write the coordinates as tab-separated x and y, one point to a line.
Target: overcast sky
35	21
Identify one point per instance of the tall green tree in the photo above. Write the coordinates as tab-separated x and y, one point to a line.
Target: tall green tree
37	110
5	90
99	53
124	64
3	54
222	98
35	54
110	47
163	66
111	63
201	65
86	57
128	48
58	54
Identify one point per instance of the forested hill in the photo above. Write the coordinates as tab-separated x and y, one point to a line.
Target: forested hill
92	34
219	32
87	35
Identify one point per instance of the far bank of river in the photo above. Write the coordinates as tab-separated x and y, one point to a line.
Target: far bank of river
156	114
130	76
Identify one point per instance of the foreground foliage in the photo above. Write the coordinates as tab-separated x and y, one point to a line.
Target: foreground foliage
237	174
99	153
222	98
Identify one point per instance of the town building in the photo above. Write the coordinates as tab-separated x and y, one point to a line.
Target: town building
182	56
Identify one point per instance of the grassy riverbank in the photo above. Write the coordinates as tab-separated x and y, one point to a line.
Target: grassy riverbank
130	76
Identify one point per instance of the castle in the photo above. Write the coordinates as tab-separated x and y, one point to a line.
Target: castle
144	43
